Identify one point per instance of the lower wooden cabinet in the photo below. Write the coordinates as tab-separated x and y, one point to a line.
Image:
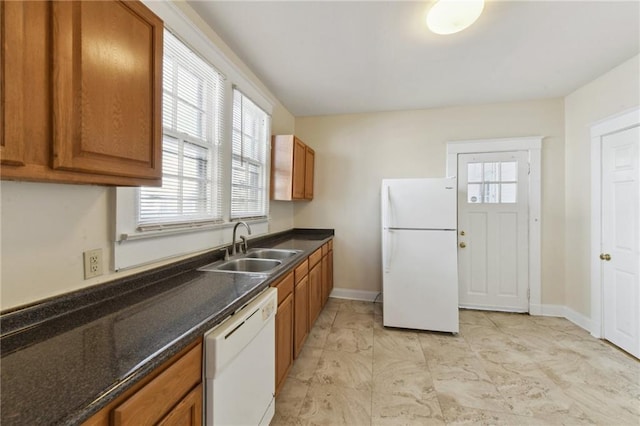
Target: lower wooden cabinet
315	293
284	330
170	395
301	317
188	412
284	341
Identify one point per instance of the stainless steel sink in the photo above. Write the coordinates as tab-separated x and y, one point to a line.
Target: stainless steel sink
267	253
244	265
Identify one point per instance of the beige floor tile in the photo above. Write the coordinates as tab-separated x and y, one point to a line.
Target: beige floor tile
290	399
468	316
305	365
357	306
353	370
347	319
456	414
393	410
333	304
377	308
350	340
401	377
480	394
537	397
508	369
336	405
325	319
317	336
400	344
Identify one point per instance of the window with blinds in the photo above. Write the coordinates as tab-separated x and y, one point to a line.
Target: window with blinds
251	129
193	97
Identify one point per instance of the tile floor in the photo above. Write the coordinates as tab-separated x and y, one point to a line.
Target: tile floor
504	369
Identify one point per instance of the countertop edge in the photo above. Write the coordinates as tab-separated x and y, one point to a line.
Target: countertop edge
157	358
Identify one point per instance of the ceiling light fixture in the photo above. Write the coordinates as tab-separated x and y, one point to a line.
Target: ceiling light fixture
451	16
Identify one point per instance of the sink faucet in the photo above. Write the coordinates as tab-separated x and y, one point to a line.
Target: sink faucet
244	239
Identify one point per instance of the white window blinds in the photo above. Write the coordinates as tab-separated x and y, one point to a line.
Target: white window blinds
251	129
193	97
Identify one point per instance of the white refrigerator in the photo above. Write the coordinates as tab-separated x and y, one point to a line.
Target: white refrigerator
419	254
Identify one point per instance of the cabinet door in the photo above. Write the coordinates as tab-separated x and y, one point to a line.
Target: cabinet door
12	46
308	173
315	293
301	311
325	279
284	341
330	272
299	176
156	399
188	412
107	88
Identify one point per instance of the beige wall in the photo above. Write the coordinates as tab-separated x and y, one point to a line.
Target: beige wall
45	228
354	152
614	92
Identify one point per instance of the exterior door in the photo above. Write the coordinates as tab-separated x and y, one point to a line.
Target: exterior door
620	238
493	231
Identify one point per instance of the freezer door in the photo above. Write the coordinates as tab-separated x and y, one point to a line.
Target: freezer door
420	280
419	203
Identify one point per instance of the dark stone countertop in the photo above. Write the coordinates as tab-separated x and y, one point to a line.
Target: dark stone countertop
65	358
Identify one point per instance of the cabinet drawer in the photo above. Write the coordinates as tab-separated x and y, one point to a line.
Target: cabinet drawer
156	399
301	271
285	287
315	257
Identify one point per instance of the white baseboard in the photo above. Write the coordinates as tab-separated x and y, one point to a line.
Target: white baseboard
564	312
347	293
578	319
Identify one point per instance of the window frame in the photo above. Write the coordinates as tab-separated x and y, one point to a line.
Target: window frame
134	247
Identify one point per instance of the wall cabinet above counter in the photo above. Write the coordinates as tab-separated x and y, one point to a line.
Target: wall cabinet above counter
81	92
292	168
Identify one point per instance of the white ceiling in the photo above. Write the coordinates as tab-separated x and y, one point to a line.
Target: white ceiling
334	57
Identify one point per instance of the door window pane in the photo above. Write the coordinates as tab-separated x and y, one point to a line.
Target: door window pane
474	172
473	193
508	192
491	172
491	193
509	171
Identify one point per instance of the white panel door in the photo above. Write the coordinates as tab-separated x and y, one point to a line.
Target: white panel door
493	231
621	238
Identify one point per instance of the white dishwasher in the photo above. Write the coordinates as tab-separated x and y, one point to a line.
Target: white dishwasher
240	366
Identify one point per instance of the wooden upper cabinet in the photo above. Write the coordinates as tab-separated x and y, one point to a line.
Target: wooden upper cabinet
107	88
12	16
310	156
81	92
291	169
299	157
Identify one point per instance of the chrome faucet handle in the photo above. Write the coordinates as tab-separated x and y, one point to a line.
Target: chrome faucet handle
226	253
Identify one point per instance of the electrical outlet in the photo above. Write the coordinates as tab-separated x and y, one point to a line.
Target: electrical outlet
92	263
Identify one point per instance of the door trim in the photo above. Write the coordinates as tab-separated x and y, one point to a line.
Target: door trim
533	146
611	124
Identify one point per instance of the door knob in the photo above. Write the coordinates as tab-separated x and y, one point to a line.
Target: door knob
462	245
605	256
